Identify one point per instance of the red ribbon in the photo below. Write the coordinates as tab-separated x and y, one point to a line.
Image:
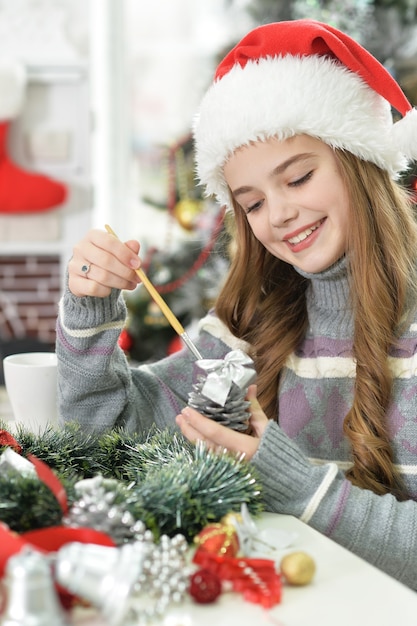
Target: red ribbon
48	539
6	439
256	579
51	480
44	472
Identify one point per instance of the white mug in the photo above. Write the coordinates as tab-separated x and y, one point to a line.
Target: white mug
31	384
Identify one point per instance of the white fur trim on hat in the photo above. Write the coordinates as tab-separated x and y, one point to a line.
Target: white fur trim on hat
288	95
12	89
404	134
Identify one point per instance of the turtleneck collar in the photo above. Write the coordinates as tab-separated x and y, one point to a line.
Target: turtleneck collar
329	288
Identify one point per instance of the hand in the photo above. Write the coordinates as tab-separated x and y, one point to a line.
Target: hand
111	264
196	427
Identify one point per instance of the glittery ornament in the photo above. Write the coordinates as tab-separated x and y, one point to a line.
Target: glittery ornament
97	507
256	579
164	579
31	596
205	586
219	539
221	388
298	568
6	439
134	583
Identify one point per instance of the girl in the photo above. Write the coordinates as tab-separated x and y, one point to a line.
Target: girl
296	137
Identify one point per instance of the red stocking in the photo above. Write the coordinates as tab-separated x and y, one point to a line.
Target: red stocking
22	191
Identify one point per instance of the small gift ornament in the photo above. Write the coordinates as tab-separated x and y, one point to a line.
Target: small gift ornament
219	538
221	388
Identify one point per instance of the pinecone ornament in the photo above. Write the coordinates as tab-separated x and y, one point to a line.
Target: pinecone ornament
97	507
221	387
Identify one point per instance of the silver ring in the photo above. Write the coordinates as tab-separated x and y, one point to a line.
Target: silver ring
85	268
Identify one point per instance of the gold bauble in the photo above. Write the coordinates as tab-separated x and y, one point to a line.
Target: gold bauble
298	568
186	212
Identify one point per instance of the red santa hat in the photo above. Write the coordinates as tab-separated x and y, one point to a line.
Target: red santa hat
302	77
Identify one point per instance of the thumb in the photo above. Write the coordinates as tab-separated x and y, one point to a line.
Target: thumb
258	419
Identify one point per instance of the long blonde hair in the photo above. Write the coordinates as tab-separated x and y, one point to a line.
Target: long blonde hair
263	302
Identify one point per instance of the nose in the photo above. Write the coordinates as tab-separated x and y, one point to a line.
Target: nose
281	210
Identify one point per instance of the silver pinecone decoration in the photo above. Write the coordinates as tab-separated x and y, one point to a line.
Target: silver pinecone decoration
221	387
97	507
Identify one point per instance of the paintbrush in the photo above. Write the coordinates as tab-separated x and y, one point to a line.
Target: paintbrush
156	296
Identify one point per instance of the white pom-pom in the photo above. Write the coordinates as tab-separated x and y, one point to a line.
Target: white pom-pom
404	135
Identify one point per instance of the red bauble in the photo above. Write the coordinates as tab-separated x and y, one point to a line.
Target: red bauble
125	340
175	345
218	539
205	587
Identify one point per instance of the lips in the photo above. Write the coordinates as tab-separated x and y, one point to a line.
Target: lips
302	235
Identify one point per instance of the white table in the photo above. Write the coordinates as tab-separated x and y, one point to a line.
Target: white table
346	591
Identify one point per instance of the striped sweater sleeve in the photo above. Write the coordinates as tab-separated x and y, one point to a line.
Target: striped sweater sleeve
379	529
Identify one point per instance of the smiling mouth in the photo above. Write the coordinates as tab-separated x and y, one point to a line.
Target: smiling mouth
304	234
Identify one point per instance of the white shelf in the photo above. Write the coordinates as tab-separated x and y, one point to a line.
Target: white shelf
31	247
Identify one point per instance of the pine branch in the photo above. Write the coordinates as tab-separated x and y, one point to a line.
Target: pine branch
159	478
27	504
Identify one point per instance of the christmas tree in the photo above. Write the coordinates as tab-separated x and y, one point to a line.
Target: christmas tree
186	273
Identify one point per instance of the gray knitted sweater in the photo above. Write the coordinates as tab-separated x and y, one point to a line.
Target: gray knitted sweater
301	462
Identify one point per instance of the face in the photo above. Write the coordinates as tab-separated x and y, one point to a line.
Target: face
294	199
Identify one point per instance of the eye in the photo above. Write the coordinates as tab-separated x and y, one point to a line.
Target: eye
253	207
302	180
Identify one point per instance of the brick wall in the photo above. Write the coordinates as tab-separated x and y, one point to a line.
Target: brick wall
29	294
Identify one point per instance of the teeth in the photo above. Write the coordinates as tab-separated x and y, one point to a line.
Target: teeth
303	235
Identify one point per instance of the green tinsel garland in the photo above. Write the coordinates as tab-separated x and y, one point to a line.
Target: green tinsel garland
163	479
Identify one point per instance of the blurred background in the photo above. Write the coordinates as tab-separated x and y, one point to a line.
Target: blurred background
106	108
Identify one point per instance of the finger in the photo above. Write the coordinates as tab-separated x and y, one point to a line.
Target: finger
133	245
191	433
207	429
105	251
100	263
195	426
87	279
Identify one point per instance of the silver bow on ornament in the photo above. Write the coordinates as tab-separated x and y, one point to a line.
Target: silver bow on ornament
236	367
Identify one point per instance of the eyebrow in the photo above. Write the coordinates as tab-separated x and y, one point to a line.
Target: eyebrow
279	169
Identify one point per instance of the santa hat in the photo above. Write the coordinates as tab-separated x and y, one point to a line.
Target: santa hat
302	77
